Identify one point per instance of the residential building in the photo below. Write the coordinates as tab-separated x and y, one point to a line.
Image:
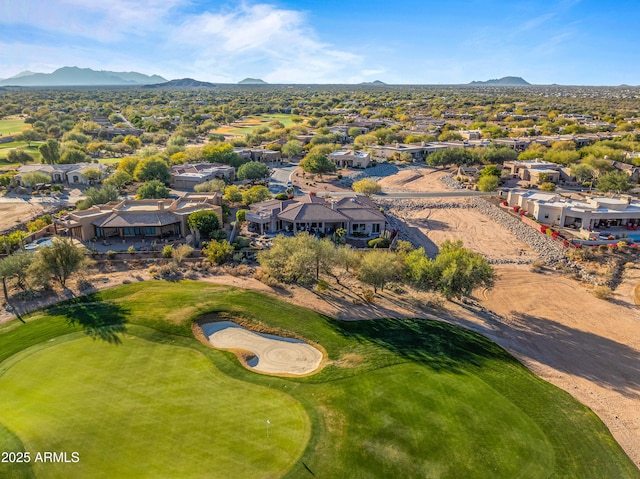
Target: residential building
536	171
588	217
357	214
152	219
350	159
187	176
61	173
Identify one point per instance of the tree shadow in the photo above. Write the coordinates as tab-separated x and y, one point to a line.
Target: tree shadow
437	344
580	353
99	320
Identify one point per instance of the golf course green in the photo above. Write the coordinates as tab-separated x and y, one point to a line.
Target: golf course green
119	378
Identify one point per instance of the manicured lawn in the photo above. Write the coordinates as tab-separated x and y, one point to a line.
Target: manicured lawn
398	398
248	124
5	148
9	127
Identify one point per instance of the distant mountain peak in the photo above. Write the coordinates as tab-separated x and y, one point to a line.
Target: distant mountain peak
505	81
76	76
252	81
182	83
374	82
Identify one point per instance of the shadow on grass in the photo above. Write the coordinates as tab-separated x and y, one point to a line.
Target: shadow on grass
99	320
436	344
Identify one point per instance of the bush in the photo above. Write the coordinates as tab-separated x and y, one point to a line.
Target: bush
131	249
282	196
111	254
322	286
379	243
167	251
602	292
369	296
241	215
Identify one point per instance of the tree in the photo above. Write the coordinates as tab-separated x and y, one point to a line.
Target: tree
72	156
32	178
221	153
92	175
583	172
152	168
367	186
354	131
153	189
293	260
218	251
241	215
253	170
205	224
99	196
210	186
119	179
29	136
132	141
548	186
50	151
378	267
457	271
256	194
491	170
614	181
292	148
317	163
19	156
488	183
58	261
16	266
451	156
128	165
232	194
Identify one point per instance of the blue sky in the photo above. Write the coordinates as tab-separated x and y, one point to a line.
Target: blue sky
571	42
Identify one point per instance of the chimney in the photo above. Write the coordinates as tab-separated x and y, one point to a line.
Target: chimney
160	205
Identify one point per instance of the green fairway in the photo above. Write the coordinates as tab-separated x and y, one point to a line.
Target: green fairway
248	124
33	150
397	398
10	127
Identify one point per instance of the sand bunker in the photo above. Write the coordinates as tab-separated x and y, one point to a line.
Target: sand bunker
272	354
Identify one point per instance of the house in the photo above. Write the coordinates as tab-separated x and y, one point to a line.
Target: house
631	170
152	219
350	159
537	171
62	173
357	214
187	176
588	217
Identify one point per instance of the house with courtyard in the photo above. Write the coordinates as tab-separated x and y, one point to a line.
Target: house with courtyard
350	159
588	217
70	174
137	219
187	176
537	171
356	214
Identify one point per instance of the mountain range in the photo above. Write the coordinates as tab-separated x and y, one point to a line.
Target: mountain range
252	81
182	83
504	81
74	76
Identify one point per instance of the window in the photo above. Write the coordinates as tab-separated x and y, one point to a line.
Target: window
137	231
176	229
99	232
358	228
546	216
375	228
150	230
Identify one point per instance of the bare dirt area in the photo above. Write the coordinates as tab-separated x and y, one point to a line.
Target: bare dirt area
584	345
414	179
429	227
16	210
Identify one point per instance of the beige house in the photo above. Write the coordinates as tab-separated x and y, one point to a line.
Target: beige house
137	218
188	176
350	159
62	173
536	171
588	217
357	214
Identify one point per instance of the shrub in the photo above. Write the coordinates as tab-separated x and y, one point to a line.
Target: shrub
322	286
167	251
241	215
602	292
131	249
379	243
369	296
282	196
111	254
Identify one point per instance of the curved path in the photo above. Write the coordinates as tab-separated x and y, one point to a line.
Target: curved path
273	354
